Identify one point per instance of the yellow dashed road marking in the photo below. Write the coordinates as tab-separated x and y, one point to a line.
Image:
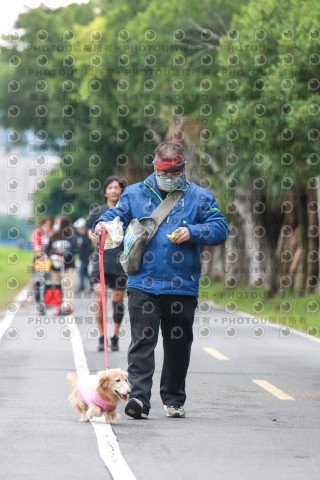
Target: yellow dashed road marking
272	389
215	353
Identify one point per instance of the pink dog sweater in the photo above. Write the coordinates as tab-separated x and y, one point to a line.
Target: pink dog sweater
87	389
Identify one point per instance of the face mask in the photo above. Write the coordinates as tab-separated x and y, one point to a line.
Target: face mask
56	227
169	184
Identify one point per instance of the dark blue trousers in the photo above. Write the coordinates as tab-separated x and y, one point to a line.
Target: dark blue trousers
175	315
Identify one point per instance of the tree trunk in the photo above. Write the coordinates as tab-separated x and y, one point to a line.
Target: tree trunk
212	261
302	209
313	243
318	199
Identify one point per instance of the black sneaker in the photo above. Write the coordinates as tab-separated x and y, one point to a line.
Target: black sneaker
101	344
136	409
114	343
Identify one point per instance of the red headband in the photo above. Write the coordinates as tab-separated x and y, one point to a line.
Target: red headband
162	164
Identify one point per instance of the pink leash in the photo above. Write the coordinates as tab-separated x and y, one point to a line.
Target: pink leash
103	294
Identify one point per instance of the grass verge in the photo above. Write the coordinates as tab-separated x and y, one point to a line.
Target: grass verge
286	308
15	272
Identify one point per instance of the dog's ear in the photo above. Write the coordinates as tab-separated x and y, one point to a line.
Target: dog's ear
103	378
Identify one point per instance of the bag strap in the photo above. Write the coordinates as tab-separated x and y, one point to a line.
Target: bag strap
165	207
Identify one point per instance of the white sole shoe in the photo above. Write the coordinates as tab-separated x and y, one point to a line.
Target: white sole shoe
175	411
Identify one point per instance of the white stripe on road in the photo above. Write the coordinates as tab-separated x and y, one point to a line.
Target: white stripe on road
299	333
5	323
272	389
79	356
215	353
107	441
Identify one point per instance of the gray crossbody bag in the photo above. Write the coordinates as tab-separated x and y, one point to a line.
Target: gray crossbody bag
140	232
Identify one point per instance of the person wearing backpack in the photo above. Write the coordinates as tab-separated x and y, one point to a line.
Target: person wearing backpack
164	290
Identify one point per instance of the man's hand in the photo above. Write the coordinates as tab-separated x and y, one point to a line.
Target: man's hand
99	227
182	234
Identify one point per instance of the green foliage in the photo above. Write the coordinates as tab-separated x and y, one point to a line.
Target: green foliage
268	68
15	272
21	228
303	308
71	76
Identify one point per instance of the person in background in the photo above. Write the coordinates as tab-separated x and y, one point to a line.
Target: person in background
41	235
115	277
39	240
61	248
84	250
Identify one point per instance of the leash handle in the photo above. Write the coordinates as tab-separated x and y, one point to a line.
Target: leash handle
103	294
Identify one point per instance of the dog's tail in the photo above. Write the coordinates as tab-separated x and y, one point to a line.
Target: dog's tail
72	379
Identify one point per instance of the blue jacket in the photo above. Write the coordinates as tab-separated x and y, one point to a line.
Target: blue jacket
166	267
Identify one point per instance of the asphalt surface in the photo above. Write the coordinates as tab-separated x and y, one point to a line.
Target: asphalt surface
234	428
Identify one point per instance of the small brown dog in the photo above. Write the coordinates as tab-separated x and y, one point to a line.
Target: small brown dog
94	395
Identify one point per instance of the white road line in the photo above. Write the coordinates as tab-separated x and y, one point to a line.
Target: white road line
273	390
278	326
299	333
107	441
79	356
7	320
215	353
5	323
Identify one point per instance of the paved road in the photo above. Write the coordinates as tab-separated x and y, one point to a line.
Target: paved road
235	429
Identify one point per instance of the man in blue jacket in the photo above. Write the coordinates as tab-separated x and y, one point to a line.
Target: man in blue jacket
164	292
